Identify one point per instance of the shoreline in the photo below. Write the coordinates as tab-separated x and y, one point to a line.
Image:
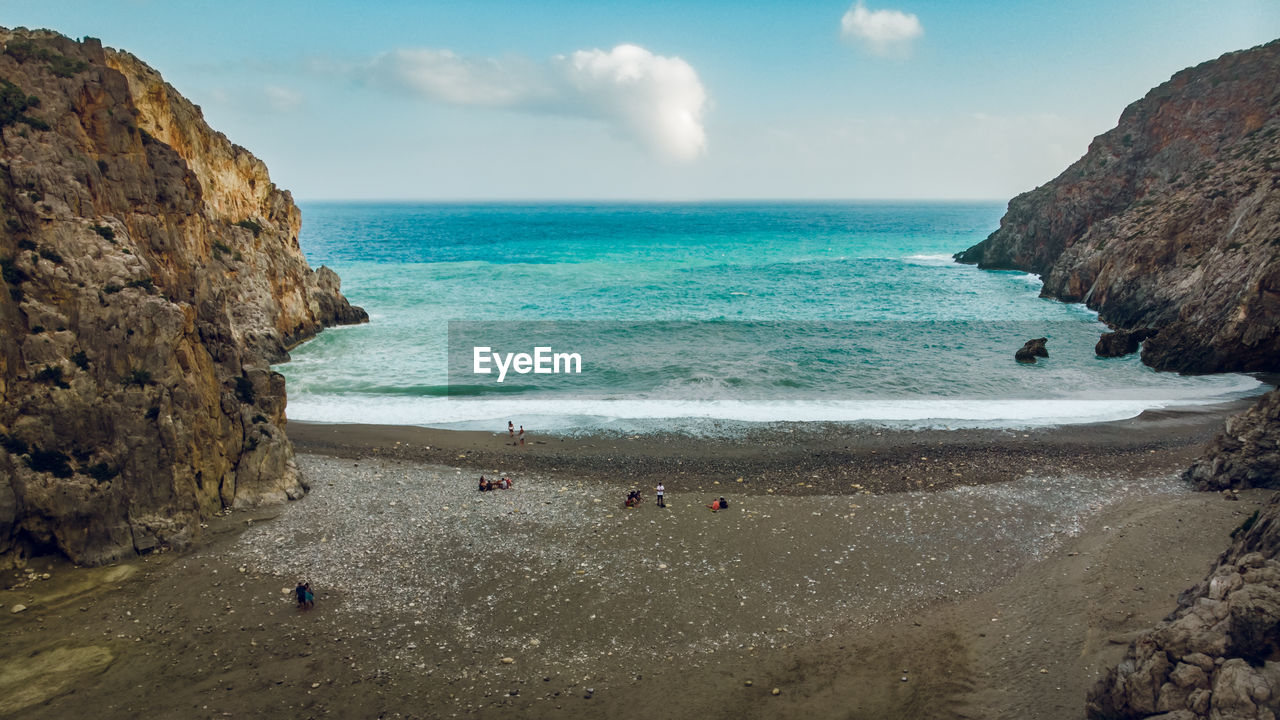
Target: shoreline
784	458
1000	593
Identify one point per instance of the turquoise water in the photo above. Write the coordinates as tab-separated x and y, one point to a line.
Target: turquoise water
694	315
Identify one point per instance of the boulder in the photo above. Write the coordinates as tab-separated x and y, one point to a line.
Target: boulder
1032	350
1121	342
1246	453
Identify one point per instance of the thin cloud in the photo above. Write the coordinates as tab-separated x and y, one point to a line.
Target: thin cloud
887	33
450	78
263	100
282	99
653	100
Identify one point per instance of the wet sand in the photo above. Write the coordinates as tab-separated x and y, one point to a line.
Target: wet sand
1044	553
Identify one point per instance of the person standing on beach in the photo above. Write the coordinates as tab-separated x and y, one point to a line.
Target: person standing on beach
521	434
511	429
306	598
661	490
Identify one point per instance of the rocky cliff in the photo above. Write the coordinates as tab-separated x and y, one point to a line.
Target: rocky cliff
151	272
1246	453
1169	227
1171	221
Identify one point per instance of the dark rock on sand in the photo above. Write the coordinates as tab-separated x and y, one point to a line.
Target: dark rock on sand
151	272
1245	454
1032	350
1213	657
1119	343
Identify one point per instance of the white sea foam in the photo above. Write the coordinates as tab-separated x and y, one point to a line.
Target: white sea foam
578	412
931	259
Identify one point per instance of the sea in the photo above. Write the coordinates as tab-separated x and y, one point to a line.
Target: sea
704	318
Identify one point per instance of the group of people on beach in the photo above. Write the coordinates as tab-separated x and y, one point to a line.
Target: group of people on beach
488	485
517	438
306	598
634	498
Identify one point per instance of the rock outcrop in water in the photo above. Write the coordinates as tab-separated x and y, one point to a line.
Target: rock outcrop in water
151	272
1031	350
1119	343
1171	221
1169	227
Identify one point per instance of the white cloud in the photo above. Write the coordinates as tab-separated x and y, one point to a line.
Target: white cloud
654	100
888	33
657	99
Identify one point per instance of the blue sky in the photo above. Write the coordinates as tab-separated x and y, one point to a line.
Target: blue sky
663	100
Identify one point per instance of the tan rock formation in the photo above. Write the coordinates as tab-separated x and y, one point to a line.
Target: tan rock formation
151	272
1214	657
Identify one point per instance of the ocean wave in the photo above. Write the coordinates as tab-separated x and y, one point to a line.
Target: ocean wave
930	259
570	413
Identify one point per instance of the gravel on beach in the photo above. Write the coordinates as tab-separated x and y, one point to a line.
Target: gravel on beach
835	573
557	576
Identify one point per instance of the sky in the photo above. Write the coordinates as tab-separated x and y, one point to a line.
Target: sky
662	100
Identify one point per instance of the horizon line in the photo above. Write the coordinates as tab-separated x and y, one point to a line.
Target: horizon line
637	201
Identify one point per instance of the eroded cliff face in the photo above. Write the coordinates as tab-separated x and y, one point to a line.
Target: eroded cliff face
1170	227
1171	221
151	272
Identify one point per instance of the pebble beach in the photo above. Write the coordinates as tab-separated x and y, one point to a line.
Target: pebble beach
553	600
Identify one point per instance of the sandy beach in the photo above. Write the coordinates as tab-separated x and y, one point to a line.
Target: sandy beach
860	572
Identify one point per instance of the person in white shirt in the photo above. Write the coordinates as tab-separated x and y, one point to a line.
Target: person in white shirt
661	490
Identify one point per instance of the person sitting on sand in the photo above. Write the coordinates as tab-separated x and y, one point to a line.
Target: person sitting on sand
505	483
484	485
633	498
719	504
